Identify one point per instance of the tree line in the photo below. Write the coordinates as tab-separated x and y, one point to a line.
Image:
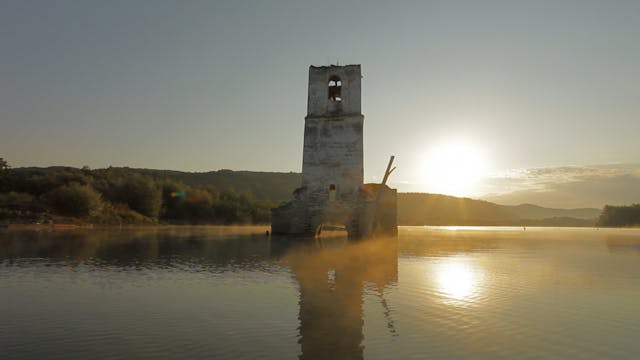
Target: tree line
120	195
620	216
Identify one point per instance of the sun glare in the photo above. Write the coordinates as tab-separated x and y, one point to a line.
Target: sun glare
455	168
458	281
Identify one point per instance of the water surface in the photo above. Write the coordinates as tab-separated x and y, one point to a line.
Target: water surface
234	293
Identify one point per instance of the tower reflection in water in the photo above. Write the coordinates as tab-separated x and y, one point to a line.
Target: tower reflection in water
331	275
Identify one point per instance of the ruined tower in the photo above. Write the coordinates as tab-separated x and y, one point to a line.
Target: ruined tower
332	165
332	189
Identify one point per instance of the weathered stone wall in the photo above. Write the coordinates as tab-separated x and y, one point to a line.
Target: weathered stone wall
290	218
381	216
333	154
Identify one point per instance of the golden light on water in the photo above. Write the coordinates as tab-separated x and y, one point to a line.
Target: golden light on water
458	280
455	168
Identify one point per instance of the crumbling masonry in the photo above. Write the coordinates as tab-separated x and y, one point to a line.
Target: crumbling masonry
332	190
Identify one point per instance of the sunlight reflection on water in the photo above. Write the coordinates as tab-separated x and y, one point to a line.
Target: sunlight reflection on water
457	279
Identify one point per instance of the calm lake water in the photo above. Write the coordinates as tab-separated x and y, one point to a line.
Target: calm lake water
234	293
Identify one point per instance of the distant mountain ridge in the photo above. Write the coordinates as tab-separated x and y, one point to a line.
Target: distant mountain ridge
435	209
413	208
530	211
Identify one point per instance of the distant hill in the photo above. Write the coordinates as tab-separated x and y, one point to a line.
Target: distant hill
413	208
529	211
434	209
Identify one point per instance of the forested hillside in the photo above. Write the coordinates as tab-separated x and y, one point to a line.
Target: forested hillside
121	195
276	186
620	216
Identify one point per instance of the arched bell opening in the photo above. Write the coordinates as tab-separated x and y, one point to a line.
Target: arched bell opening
335	89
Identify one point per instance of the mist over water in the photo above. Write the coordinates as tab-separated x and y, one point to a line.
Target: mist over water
217	292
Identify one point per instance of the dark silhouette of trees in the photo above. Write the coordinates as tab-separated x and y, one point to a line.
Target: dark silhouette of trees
74	200
4	175
620	215
121	195
4	165
142	194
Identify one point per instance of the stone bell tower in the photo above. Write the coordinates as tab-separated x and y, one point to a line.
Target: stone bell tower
332	165
332	190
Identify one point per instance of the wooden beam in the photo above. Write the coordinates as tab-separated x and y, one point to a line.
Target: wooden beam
388	171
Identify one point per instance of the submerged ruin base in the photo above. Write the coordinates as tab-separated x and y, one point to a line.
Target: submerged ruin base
372	213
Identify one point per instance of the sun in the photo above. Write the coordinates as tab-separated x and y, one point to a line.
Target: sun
454	168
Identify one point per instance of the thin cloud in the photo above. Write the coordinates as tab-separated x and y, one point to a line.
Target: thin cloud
567	186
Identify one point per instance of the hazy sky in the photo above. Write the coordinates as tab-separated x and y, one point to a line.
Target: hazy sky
204	85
